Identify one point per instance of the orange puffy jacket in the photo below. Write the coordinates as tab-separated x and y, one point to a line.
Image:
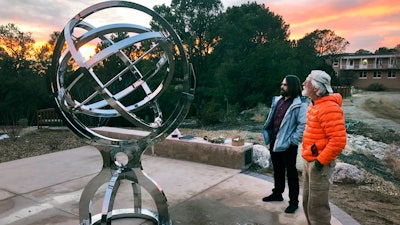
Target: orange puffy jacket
325	130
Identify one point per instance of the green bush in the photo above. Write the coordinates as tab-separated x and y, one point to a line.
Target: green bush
23	122
210	114
376	87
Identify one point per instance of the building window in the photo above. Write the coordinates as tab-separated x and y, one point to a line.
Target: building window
392	61
378	63
363	75
350	62
377	75
392	74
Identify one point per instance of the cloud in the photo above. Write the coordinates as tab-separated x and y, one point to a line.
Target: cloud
365	24
355	20
40	17
43	17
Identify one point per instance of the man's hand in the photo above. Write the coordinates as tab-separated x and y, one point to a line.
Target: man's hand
318	165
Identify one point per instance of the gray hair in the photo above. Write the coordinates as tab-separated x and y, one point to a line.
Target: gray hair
321	89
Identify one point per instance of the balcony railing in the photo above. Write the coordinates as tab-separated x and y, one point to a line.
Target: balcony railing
370	66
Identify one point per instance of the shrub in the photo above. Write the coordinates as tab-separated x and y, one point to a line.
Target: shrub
376	87
23	122
13	131
210	114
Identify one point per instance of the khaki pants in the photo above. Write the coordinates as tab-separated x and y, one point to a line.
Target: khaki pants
316	185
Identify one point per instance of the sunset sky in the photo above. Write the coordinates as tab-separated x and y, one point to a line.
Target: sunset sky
366	24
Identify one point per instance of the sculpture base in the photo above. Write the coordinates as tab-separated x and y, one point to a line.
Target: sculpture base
120	214
112	174
195	149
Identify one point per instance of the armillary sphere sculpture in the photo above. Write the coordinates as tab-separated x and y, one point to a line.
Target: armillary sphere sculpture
139	78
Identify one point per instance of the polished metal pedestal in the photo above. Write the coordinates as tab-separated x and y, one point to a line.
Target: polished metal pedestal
113	172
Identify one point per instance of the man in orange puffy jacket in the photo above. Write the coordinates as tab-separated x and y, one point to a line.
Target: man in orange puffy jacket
324	139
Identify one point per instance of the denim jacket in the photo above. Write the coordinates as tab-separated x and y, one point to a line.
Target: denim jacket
292	126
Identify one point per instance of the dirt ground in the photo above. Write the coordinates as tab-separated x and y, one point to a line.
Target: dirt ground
376	201
376	109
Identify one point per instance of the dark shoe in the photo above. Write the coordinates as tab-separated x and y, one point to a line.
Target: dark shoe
273	198
291	209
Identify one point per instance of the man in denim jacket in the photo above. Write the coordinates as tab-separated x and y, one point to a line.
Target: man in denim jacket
283	131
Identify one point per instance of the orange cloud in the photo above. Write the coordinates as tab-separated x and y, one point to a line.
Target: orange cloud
376	19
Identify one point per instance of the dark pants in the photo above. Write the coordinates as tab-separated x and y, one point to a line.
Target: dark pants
285	162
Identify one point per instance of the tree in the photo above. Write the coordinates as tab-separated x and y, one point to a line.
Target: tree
17	45
397	49
308	58
250	54
319	49
43	55
22	92
345	78
191	19
385	50
242	28
326	42
362	52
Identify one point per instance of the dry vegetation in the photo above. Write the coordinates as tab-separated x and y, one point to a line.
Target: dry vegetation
32	142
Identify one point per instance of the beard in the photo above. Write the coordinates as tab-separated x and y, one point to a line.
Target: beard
284	93
305	93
